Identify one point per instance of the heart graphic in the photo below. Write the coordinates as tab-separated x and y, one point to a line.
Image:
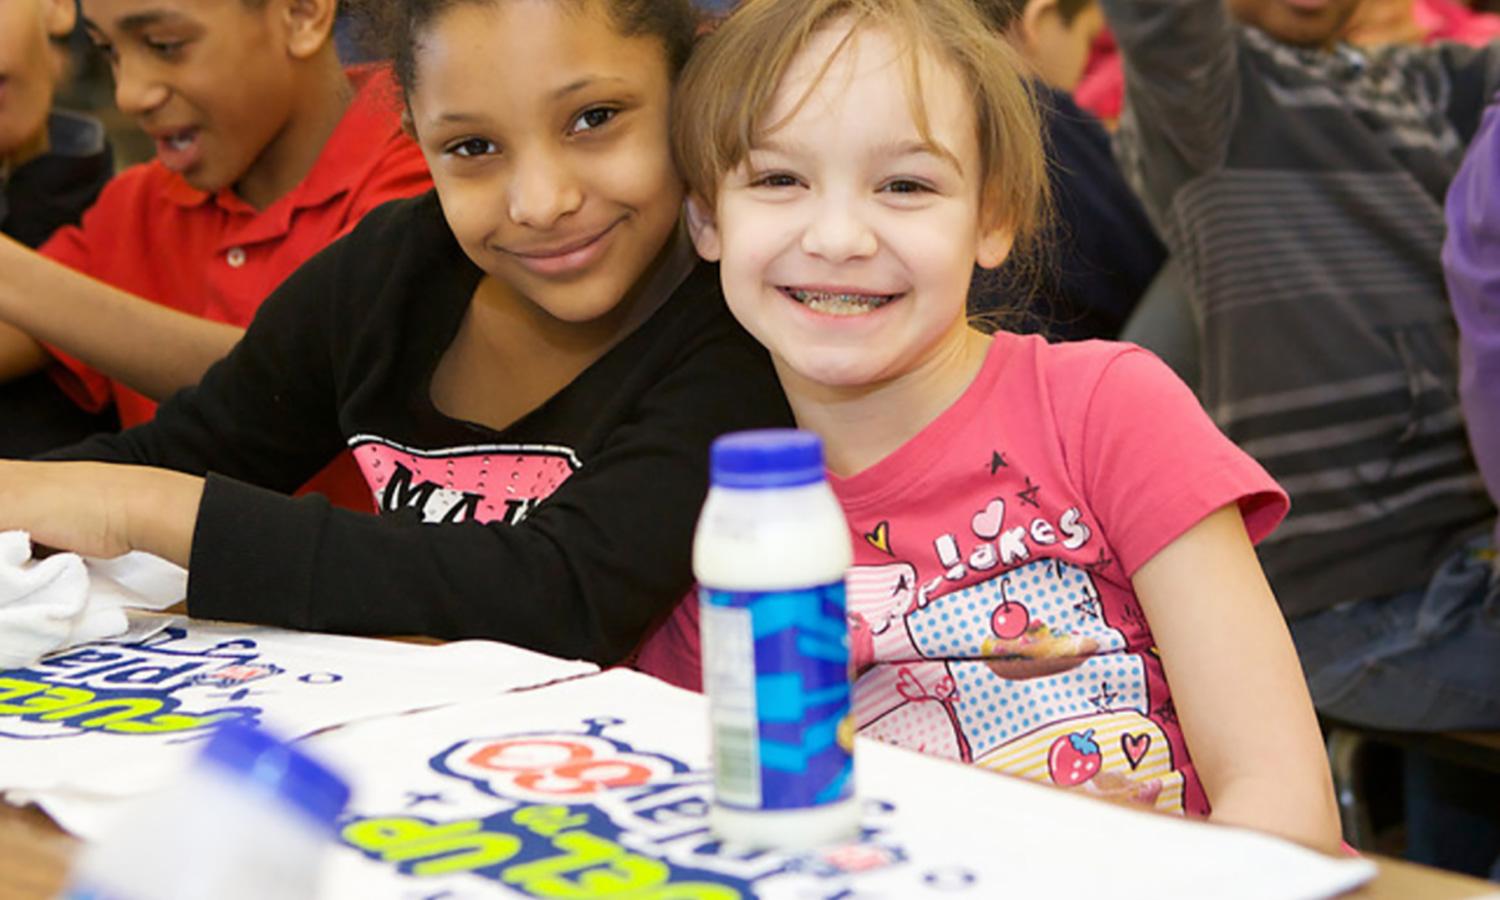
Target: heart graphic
880	538
909	687
1134	747
986	524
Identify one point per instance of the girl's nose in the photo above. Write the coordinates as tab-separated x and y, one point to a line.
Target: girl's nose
837	232
543	191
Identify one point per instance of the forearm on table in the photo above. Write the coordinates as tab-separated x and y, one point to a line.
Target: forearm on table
162	512
148	347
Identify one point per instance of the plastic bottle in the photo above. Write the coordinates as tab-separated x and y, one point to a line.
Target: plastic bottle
770	554
249	819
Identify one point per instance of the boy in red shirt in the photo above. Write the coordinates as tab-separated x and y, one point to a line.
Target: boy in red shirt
267	150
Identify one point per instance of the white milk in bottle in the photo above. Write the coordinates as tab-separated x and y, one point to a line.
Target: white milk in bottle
770	554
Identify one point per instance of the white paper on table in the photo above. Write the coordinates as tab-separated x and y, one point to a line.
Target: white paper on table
113	719
501	797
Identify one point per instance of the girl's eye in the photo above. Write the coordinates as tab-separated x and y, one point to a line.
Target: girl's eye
774	180
471	147
594	117
105	49
905	186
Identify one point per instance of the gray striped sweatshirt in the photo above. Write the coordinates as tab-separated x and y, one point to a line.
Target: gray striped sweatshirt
1302	191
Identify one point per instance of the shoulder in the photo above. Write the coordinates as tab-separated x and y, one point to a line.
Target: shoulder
144	204
1078	368
1096	392
696	344
696	313
406	223
145	186
396	245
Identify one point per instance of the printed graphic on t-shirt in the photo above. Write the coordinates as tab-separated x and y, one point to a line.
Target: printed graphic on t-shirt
484	483
1023	671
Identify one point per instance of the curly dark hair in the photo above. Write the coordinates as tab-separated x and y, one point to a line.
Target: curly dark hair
391	28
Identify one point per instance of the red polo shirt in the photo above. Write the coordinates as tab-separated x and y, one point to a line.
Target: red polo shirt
213	255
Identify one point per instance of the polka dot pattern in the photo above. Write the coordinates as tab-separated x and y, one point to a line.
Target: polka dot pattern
955	626
924	725
993	711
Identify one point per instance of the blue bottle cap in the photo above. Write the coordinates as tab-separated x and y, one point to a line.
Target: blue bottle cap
278	768
767	458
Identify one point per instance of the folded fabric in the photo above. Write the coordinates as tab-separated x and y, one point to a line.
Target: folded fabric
63	600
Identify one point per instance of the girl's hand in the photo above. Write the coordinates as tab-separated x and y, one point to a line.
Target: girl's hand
101	509
1238	686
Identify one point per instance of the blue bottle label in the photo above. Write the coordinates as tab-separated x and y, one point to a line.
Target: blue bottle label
776	669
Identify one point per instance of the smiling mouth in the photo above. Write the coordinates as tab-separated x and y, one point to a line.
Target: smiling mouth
546	253
839	303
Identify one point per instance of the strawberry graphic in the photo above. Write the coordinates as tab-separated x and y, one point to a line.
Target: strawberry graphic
1074	758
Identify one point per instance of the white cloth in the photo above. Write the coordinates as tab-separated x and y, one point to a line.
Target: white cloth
64	599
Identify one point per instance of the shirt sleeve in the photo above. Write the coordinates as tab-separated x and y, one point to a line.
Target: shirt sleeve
1181	82
582	576
1154	464
1471	264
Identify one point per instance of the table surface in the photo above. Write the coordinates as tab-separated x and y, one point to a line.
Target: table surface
34	857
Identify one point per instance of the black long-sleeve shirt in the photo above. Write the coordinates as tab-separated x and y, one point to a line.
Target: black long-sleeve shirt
568	532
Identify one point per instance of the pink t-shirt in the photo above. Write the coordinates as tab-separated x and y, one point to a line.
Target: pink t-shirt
992	616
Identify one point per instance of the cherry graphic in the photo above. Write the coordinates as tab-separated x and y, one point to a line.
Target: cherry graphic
1010	620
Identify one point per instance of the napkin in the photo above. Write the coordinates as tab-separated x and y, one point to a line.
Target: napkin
65	599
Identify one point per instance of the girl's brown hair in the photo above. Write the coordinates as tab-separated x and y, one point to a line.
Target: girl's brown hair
727	89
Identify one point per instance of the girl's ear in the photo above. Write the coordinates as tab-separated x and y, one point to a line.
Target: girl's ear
704	228
995	242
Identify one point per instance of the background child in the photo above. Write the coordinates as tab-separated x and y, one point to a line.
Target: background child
52	166
1101	253
528	364
1301	184
267	151
1017	519
1373	23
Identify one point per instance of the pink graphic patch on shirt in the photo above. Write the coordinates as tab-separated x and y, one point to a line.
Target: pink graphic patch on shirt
487	483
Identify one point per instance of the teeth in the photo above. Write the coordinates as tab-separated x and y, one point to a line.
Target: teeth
840	304
179	142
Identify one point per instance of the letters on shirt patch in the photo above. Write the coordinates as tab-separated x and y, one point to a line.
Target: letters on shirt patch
483	483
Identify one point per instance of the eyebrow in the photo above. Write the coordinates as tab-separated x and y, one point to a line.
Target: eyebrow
890	149
561	93
135	21
585	82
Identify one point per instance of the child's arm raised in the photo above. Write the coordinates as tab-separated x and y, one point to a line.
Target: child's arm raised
1237	684
150	348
